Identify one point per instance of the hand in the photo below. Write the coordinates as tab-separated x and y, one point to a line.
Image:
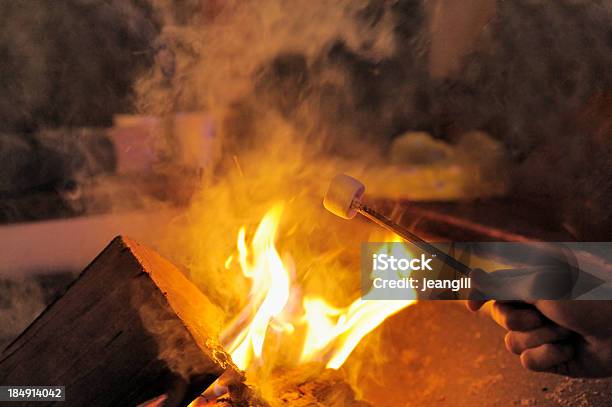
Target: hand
572	338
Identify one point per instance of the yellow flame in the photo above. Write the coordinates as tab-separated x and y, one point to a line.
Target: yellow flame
351	324
321	328
269	291
331	334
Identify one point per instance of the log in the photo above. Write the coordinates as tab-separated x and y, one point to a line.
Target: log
307	385
231	390
130	328
310	385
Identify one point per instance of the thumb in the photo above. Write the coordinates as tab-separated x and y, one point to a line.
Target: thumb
476	298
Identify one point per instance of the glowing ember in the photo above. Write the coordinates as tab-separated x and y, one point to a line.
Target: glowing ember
331	334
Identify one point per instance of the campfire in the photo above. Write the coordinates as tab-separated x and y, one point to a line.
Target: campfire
309	332
230	281
275	303
285	346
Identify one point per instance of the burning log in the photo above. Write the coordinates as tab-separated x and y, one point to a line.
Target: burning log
130	328
230	390
308	385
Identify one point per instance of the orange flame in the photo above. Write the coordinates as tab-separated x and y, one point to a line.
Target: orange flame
331	334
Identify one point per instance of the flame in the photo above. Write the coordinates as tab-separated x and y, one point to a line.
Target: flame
352	323
269	291
331	334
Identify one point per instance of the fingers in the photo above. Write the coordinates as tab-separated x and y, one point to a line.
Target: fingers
518	342
532	336
515	316
547	357
539	347
476	299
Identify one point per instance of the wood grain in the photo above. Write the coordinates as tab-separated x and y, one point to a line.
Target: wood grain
131	327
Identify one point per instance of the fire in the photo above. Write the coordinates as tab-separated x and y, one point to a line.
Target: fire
330	333
269	291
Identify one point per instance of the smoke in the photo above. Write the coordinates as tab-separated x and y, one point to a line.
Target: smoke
70	63
243	65
303	90
21	300
64	65
263	70
14	313
217	58
526	83
345	72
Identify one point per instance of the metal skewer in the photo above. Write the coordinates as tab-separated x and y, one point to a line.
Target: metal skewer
343	199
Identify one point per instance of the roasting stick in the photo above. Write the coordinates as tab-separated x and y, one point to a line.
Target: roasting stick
343	199
412	238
